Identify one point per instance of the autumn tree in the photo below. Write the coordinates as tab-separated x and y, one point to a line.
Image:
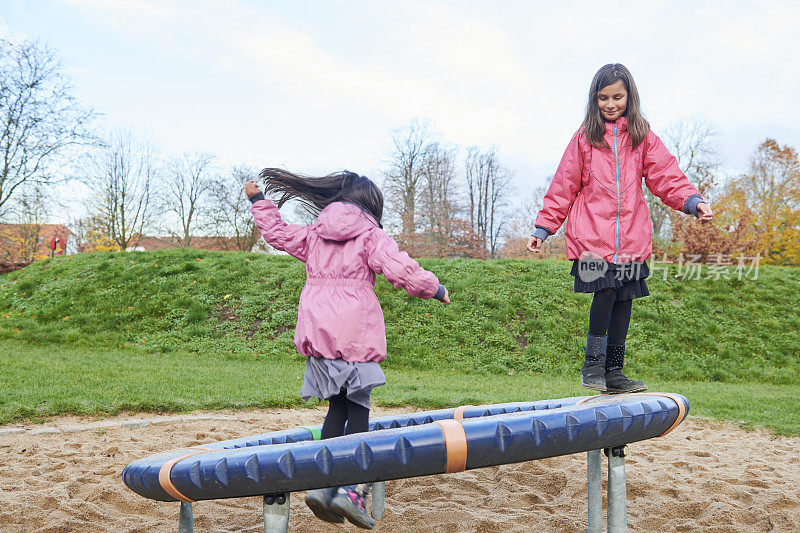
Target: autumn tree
694	143
23	237
771	191
756	213
729	235
93	234
40	119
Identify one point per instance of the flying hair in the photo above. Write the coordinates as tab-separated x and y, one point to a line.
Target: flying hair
316	193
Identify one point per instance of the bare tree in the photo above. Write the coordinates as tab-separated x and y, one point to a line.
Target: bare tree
694	143
488	187
403	177
189	180
302	214
521	224
40	120
122	175
228	216
437	199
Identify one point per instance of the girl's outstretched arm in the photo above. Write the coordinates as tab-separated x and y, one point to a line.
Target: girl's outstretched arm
402	271
290	238
666	180
563	189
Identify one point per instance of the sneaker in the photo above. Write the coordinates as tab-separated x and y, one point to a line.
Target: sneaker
319	501
351	503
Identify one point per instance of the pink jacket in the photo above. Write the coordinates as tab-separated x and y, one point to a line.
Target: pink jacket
339	314
601	190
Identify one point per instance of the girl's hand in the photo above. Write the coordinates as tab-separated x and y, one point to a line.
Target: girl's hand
446	297
250	188
704	212
535	244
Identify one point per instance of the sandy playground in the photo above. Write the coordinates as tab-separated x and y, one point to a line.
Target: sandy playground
706	475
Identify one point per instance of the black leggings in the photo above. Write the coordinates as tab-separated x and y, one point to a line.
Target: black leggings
608	316
342	410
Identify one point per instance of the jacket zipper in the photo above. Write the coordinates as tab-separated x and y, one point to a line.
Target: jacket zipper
616	172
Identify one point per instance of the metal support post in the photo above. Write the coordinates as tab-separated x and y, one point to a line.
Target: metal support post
594	479
617	495
185	519
378	499
276	513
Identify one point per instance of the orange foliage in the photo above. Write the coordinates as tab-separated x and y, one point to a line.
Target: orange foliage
757	213
22	243
770	193
516	248
96	236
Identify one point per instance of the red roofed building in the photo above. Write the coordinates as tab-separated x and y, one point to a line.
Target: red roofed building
28	242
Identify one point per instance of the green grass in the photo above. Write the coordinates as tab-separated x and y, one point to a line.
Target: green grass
185	329
40	382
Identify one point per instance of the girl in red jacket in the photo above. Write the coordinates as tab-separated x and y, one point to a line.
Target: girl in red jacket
609	236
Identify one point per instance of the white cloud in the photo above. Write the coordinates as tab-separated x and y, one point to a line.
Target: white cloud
512	73
127	14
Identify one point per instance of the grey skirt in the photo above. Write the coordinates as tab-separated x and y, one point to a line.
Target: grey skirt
328	377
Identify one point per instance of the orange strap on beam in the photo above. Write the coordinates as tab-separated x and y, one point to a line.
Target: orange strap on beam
681	409
455	441
165	471
590	398
458	413
674	397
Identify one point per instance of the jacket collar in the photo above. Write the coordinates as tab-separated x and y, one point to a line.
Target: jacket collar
621	122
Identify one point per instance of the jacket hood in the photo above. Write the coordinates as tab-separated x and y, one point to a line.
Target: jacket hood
342	221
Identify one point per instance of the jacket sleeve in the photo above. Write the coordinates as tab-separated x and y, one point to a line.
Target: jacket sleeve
563	189
663	176
398	268
290	238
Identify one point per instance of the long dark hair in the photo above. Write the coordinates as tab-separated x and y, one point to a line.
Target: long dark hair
317	193
594	124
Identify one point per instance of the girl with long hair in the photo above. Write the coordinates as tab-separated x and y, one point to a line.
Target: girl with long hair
340	326
608	237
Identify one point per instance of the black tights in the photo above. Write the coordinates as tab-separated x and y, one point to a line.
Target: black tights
342	410
608	316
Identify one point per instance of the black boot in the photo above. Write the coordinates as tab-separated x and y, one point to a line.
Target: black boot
593	373
615	379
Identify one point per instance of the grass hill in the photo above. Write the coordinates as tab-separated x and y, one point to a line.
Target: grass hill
506	316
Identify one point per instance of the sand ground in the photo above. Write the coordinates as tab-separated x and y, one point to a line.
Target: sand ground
706	475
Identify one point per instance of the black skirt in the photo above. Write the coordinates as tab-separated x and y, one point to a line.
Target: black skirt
627	278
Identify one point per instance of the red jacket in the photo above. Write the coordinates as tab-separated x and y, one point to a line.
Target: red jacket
601	190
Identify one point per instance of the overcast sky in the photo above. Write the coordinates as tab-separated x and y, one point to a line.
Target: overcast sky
318	86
